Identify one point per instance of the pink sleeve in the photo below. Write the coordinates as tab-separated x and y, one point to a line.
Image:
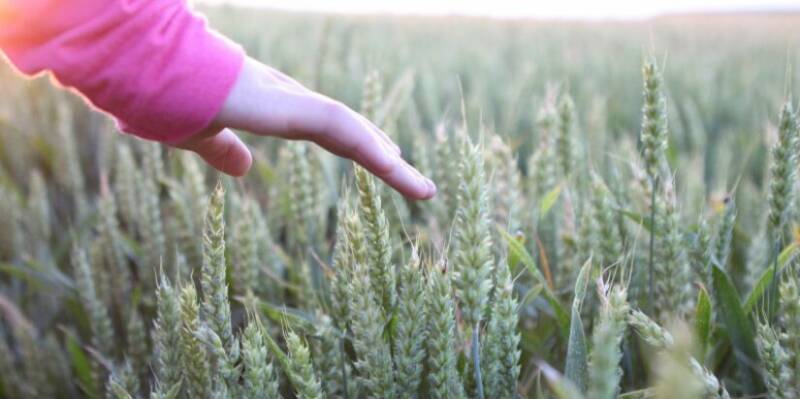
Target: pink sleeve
152	64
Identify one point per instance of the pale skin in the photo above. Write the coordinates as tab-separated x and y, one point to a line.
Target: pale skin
266	102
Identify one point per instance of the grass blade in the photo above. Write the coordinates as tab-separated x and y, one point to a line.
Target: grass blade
702	319
576	367
739	328
764	282
548	200
517	251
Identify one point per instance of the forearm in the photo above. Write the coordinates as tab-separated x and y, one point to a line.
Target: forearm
154	64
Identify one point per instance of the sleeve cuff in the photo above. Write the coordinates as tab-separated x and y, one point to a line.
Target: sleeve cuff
185	82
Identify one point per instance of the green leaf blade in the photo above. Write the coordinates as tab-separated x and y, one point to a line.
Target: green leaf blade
739	328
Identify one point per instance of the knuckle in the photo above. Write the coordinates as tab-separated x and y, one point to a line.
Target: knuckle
335	109
382	165
331	113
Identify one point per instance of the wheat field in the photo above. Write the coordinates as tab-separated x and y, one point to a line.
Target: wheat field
618	216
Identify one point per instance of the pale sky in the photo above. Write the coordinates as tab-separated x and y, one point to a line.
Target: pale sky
572	9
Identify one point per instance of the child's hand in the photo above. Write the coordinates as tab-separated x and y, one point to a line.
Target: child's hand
166	84
266	102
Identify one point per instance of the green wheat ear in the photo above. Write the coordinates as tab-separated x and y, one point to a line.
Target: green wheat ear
125	186
789	318
565	140
778	373
376	228
654	120
68	171
373	353
167	333
246	260
224	370
216	307
724	234
661	339
472	258
372	95
605	372
38	208
11	240
506	184
442	343
137	342
447	159
410	334
100	323
259	377
543	163
112	251
330	358
149	215
302	374
675	377
501	352
343	260
672	272
194	364
603	210
304	198
782	175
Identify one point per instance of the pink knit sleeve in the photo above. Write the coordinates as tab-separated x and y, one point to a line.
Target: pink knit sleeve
152	64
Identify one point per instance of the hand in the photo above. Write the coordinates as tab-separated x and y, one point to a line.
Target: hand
268	103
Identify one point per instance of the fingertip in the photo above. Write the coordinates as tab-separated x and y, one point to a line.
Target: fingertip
224	151
236	159
409	182
432	190
426	190
243	163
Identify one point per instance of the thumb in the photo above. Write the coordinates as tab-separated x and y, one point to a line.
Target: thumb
224	151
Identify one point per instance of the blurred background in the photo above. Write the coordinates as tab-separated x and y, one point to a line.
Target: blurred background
554	89
568	9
